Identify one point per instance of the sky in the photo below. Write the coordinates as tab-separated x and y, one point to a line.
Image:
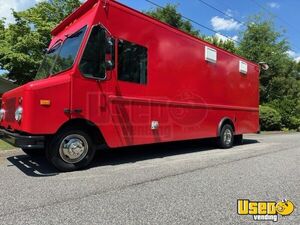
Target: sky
285	13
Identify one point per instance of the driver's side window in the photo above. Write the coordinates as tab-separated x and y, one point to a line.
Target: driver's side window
92	63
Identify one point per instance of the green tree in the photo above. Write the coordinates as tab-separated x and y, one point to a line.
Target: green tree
280	85
23	44
262	43
296	73
270	118
170	15
289	110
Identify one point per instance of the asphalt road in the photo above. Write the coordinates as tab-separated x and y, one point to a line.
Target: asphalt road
177	183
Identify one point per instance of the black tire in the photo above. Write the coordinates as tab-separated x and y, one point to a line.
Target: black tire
34	152
226	138
56	157
238	139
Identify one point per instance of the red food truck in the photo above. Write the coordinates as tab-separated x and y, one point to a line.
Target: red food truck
115	76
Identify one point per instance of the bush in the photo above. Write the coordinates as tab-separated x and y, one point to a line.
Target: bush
295	123
289	111
270	119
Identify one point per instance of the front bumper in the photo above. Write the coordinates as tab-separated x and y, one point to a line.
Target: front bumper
22	141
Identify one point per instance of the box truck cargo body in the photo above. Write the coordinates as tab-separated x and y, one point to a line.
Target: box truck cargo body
115	76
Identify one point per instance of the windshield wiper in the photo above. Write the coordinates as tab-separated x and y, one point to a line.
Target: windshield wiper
55	46
52	50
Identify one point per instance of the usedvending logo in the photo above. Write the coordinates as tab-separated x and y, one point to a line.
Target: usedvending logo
265	210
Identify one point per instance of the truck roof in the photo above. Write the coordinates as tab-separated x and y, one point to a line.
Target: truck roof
73	16
90	3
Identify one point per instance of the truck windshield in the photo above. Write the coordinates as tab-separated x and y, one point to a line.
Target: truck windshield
61	57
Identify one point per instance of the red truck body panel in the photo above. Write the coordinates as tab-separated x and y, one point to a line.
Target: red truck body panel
187	95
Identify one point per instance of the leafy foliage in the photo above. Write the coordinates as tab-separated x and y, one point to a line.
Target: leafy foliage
270	119
170	16
261	43
289	110
23	44
280	85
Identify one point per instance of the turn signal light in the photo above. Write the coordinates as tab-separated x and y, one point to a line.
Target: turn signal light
45	102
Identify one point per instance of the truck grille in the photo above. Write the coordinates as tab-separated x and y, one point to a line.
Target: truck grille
10	109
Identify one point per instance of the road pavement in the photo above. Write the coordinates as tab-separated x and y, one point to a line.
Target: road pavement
188	182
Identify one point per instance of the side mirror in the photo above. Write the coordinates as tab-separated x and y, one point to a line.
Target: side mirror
109	52
109	45
264	66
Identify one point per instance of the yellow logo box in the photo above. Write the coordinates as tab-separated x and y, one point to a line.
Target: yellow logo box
247	207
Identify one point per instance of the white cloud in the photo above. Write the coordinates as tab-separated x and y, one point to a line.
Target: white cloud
229	12
274	5
291	53
223	38
220	23
294	55
17	5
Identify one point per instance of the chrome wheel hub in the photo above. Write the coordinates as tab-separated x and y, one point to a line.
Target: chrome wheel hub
73	148
227	136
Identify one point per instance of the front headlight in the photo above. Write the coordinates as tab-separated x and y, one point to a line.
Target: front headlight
18	114
2	114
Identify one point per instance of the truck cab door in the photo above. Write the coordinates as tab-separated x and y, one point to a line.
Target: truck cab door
91	81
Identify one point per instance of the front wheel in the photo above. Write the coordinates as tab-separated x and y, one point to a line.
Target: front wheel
226	138
70	150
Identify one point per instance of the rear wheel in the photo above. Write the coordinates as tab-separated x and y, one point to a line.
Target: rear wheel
70	150
33	152
226	138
